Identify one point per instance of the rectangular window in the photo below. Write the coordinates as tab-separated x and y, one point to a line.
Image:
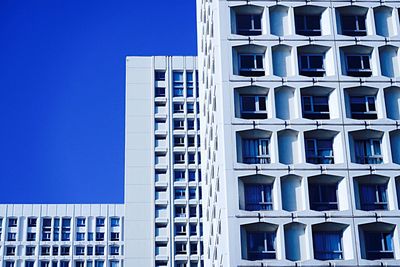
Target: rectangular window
80	251
12	222
64	250
258	197
189	84
180	193
368	151
323	196
114	236
99	250
114	222
114	264
100	222
379	245
180	229
253	106
373	196
178	83
31	237
179	141
358	65
248	24
353	25
45	251
12	237
315	107
89	251
10	251
190	108
80	222
64	264
179	124
180	248
190	124
308	25
179	108
180	211
191	158
99	236
312	65
114	250
159	92
29	263
192	193
319	151
179	175
192	176
66	229
159	75
30	251
251	64
55	251
363	107
261	245
327	245
80	236
256	151
32	222
179	158
79	264
56	229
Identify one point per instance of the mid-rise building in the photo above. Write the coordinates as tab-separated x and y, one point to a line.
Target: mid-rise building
300	139
81	235
162	163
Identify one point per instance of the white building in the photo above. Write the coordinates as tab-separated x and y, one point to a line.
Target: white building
300	134
162	159
49	235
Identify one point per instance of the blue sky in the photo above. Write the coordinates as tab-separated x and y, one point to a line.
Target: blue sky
62	77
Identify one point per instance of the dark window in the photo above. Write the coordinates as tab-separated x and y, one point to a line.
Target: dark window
179	124
323	196
160	91
178	83
319	151
358	65
159	75
353	25
308	25
315	107
373	196
32	222
253	106
363	107
251	65
327	245
256	151
179	108
189	84
312	65
261	245
378	245
258	196
368	151
248	24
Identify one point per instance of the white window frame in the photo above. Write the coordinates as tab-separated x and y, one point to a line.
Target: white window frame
252	29
315	141
311	97
308	55
255	55
366	105
360	56
257	104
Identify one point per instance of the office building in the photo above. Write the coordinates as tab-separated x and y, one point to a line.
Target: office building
300	139
80	235
162	158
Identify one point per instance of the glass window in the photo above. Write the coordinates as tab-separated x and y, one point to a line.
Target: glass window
312	65
90	236
177	83
12	222
190	107
319	151
31	237
190	123
89	251
12	237
354	25
363	107
30	251
114	222
80	236
315	107
114	250
114	236
45	251
261	245
255	151
159	75
179	108
10	251
179	175
180	229
192	193
180	193
189	84
323	196
308	25
32	222
258	196
373	196
99	263
99	250
327	245
64	264
251	64
248	24
358	65
368	151
80	222
179	124
192	175
159	91
253	106
379	245
80	250
29	263
100	222
55	250
99	236
180	211
79	264
180	248
64	250
114	263
179	158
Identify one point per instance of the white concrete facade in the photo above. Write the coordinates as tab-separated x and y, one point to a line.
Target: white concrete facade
162	163
299	107
58	235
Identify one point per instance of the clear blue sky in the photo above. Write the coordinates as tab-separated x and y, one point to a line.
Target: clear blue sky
62	78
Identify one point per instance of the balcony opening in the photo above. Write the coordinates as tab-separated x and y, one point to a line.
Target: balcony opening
288	147
315	102
251	102
256	193
384	21
327	241
292	190
285	103
371	192
308	20
319	146
258	241
254	147
279	20
376	240
388	58
366	147
323	191
247	20
392	102
395	145
295	243
356	61
353	20
282	60
250	60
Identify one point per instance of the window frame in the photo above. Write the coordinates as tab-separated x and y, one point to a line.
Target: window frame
263	151
316	149
252	31
306	31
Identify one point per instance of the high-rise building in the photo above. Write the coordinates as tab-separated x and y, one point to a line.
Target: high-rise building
162	163
80	235
299	108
